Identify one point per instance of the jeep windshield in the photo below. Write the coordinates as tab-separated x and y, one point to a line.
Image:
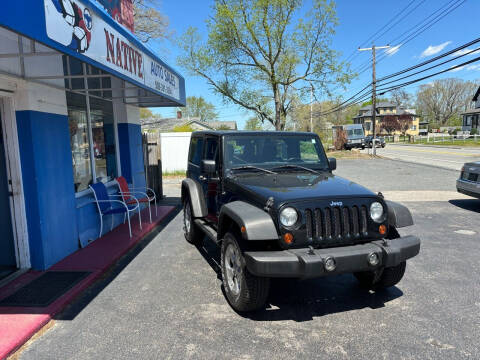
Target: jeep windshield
271	151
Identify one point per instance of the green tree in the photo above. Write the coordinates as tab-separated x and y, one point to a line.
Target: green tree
254	123
146	113
183	128
263	54
197	106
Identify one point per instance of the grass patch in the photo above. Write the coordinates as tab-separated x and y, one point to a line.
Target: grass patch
175	173
438	142
348	154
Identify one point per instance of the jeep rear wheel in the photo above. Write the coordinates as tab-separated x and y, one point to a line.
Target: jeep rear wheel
192	233
382	279
244	291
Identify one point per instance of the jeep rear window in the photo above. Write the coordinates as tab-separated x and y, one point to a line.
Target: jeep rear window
195	152
270	151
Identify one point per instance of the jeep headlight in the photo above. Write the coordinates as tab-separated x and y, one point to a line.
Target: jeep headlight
376	212
288	216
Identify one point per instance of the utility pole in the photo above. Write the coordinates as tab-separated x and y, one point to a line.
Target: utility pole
374	89
311	108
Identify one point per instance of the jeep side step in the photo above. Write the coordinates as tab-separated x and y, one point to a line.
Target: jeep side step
207	229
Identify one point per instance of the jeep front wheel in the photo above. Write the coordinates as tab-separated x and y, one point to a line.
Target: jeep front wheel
244	291
382	279
192	233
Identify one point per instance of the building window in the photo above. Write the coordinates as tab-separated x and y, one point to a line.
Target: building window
195	152
103	135
78	124
368	126
414	127
91	123
96	158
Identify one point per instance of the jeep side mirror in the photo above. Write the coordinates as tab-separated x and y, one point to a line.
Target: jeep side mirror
332	163
209	167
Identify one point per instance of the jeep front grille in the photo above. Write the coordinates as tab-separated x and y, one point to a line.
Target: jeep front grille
334	224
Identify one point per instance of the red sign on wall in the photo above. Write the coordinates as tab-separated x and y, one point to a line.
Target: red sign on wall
121	11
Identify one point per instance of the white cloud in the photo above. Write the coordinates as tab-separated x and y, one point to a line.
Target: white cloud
473	67
392	50
457	69
434	49
464	51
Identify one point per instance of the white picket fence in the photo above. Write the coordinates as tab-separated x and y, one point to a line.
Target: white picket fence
439	138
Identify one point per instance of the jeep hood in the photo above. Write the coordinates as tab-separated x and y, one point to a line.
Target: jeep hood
286	187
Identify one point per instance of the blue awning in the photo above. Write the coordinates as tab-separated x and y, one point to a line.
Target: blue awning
82	29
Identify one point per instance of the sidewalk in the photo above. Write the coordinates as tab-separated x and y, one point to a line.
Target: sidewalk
19	324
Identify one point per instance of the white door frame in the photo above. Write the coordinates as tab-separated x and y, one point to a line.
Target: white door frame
14	173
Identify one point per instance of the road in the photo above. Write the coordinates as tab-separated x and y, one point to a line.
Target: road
446	157
164	301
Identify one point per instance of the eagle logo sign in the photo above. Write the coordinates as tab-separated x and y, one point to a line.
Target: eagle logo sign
77	23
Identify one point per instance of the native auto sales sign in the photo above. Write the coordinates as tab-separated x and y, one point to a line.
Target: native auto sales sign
75	25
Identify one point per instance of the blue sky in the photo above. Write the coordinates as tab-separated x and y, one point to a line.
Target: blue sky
358	20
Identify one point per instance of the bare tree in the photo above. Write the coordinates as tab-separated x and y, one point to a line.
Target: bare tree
150	24
400	97
442	101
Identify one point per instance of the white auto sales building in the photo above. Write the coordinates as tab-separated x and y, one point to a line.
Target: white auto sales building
72	80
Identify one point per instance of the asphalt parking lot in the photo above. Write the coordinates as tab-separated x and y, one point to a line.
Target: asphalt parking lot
164	301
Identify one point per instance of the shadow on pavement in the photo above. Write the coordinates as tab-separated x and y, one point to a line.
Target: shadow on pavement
302	300
72	310
467	204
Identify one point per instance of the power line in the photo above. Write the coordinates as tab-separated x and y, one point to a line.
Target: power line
431	67
354	52
432	59
358	97
412	33
394	87
426	26
400	19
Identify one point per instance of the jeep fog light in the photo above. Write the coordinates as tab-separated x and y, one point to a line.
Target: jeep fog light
288	216
376	212
373	259
329	264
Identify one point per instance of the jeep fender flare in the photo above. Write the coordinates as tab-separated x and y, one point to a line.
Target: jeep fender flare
398	215
258	223
194	191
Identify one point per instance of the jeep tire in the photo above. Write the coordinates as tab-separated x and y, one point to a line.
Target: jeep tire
388	277
191	231
244	291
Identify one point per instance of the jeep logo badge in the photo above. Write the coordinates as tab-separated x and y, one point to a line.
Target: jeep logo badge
336	203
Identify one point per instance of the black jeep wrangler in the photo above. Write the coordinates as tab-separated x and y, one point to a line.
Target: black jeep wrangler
270	200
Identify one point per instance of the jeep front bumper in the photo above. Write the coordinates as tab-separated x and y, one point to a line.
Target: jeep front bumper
304	263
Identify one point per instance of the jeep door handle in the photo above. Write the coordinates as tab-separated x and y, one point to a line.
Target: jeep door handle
202	178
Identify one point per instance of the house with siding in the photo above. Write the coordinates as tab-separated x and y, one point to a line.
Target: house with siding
386	109
471	118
